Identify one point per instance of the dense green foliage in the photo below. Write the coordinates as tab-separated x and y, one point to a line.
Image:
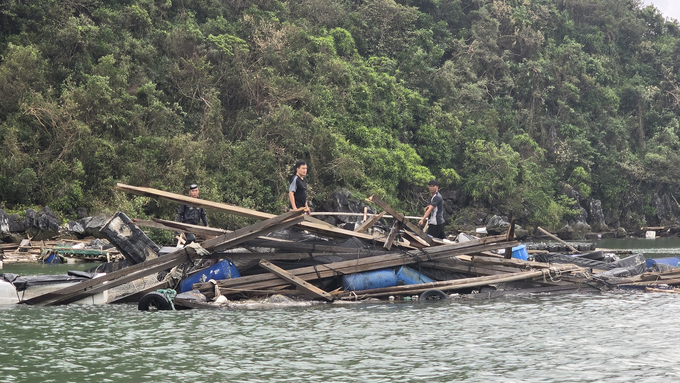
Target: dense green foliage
506	100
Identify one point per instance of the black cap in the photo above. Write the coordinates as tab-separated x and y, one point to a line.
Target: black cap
193	186
433	182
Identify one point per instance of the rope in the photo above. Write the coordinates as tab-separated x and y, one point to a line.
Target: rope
216	288
170	295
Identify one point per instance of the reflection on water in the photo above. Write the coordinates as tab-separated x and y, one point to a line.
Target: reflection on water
609	337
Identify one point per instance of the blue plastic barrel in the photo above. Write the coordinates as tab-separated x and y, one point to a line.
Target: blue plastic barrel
370	280
408	276
520	252
221	270
673	261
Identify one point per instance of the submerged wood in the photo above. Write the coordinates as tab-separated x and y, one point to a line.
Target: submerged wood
116	278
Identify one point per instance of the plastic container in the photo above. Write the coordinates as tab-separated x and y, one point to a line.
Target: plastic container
666	261
221	270
408	276
520	252
370	280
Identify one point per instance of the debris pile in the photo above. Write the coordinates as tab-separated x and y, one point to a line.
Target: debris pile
301	258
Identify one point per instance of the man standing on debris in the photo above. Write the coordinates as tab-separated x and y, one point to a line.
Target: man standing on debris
297	192
435	210
191	215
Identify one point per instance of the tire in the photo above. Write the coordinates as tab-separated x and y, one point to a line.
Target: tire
433	295
154	301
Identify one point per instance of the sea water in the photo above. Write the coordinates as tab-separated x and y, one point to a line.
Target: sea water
607	337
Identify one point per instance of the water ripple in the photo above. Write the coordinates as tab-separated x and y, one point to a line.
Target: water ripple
612	337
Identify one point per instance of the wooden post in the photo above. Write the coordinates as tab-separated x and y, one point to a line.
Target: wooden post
557	239
400	217
365	212
510	237
300	283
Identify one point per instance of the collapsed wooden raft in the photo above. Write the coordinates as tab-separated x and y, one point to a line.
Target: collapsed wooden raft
279	266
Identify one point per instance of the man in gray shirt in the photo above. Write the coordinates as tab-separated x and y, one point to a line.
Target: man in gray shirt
435	212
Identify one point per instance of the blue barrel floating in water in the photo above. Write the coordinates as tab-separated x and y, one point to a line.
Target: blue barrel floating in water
673	261
370	280
408	276
221	270
53	259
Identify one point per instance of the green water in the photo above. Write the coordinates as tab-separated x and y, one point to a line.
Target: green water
608	337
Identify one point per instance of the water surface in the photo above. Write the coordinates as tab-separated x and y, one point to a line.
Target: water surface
608	337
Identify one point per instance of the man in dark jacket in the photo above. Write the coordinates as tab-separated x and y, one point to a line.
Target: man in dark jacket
191	215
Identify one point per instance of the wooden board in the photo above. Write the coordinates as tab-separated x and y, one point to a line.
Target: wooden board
300	283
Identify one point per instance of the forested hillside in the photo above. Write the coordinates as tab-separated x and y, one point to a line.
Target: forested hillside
509	102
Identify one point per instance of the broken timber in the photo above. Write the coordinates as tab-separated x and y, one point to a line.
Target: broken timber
557	239
369	223
309	223
300	283
128	274
400	217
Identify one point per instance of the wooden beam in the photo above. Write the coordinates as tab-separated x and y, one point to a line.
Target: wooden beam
400	217
369	223
557	239
300	283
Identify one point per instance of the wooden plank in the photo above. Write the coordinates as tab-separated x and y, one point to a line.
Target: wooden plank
393	235
165	262
291	256
400	217
557	239
420	242
343	214
311	224
300	283
369	223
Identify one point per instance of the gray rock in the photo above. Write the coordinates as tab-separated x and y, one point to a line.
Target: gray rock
621	233
497	225
42	225
597	221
